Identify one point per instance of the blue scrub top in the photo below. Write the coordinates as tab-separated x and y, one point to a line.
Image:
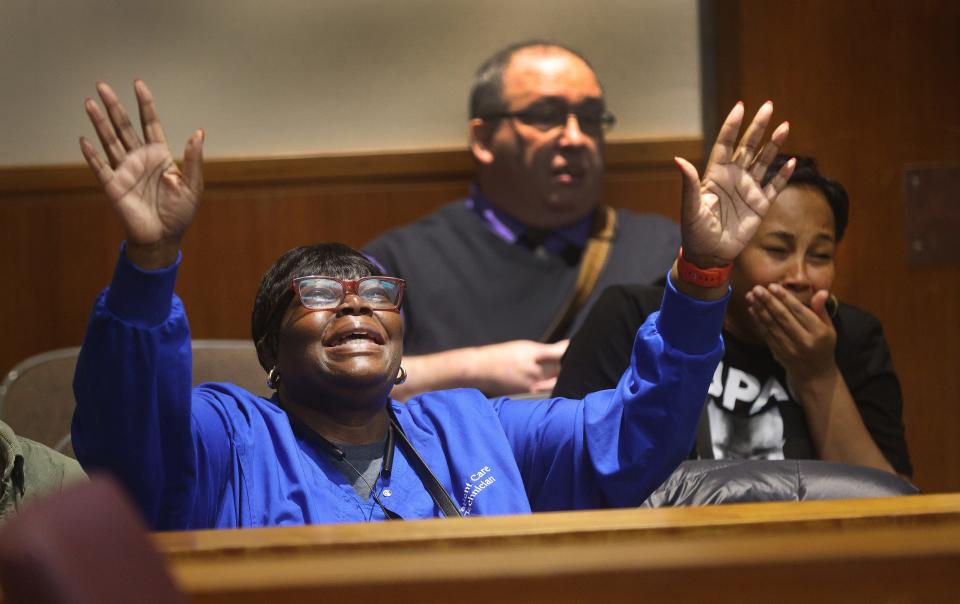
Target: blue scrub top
218	456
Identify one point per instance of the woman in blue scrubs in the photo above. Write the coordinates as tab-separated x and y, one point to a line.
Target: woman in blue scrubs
331	445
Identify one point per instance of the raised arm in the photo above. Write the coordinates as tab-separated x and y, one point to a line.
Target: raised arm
615	447
135	415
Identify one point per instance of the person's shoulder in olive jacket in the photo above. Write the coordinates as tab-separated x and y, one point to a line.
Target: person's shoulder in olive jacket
29	470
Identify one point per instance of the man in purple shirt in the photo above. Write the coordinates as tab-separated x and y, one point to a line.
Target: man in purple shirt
490	276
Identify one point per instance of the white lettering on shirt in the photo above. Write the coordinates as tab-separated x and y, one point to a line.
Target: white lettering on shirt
479	480
771	388
483	472
716	385
740	386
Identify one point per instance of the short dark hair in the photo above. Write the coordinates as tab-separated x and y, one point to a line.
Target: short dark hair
486	93
807	173
274	295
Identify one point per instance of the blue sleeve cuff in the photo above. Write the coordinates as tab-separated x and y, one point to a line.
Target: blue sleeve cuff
139	296
689	324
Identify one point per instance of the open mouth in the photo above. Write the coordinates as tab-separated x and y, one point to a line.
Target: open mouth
352	336
568	174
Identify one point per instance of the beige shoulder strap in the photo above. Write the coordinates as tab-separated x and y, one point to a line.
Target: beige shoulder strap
591	265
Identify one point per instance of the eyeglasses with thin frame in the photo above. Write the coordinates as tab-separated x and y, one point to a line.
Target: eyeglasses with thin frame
591	122
317	292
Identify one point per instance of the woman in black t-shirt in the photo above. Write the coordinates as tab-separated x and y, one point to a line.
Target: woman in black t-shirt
803	376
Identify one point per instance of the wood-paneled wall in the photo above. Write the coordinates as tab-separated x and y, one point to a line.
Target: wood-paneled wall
59	239
868	86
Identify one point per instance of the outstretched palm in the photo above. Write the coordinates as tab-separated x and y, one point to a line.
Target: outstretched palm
155	200
722	211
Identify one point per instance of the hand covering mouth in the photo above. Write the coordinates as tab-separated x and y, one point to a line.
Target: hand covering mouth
353	331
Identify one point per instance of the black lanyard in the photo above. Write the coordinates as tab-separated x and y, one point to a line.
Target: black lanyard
394	434
427	477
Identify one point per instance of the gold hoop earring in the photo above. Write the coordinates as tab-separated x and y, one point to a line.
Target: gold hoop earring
401	377
273	378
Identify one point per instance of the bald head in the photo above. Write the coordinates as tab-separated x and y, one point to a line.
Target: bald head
486	94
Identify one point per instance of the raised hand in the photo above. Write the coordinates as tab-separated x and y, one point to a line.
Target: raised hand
155	200
721	212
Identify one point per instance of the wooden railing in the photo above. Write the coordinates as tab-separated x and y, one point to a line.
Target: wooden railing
901	549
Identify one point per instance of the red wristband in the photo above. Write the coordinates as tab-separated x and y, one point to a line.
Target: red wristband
702	277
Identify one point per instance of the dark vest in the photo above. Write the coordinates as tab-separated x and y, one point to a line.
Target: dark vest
468	287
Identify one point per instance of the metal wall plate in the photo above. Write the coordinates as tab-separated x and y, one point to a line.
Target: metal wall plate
932	202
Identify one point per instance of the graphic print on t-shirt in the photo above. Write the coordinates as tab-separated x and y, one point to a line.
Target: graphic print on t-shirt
744	413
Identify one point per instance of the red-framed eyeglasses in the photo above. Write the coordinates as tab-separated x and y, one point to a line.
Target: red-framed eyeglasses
326	293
